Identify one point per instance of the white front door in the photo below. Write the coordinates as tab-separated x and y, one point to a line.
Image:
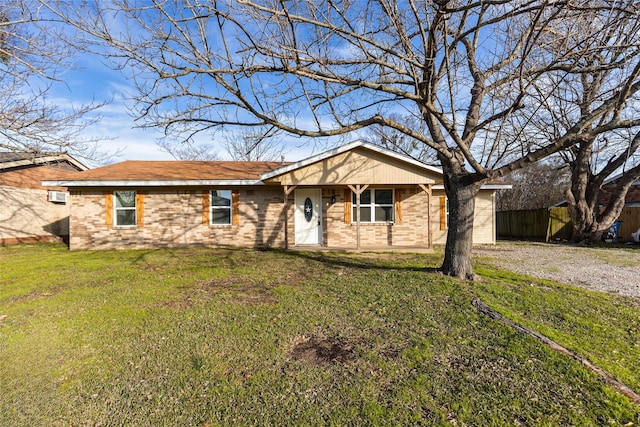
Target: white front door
308	216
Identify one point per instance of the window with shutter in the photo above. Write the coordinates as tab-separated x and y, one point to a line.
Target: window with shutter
224	207
125	210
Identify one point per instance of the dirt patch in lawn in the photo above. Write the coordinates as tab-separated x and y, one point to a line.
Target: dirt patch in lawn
230	289
31	296
322	351
242	291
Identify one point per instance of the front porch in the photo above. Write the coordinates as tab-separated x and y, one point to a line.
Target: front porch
356	218
358	196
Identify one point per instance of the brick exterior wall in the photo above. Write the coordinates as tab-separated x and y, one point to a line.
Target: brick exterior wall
412	231
26	216
173	218
633	195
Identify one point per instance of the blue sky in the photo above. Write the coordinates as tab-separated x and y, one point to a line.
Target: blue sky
93	80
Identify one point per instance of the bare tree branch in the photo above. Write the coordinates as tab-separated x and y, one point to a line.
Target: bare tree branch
33	57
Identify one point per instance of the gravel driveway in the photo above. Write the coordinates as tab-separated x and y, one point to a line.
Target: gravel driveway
601	269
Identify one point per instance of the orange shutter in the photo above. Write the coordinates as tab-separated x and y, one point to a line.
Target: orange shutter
139	209
206	201
108	201
443	213
398	206
235	207
347	206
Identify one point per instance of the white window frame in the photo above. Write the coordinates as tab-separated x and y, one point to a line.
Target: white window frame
117	209
213	207
372	207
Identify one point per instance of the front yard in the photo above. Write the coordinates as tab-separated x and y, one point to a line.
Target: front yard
195	337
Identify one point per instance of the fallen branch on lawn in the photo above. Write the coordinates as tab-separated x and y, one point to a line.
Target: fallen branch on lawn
485	309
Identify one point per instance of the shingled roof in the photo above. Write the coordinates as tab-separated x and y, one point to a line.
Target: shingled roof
28	170
171	172
11	159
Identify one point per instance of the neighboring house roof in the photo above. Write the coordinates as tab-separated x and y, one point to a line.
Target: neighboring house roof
10	159
632	198
617	177
171	172
33	177
26	170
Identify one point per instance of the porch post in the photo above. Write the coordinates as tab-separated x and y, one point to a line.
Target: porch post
427	189
358	190
287	190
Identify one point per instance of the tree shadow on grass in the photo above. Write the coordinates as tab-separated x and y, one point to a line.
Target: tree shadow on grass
367	261
231	255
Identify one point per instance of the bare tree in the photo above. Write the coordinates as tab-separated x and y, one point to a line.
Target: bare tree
392	139
475	72
603	82
253	145
536	186
589	174
242	144
32	59
188	150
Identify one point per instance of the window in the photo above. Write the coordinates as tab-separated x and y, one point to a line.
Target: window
125	208
220	207
375	206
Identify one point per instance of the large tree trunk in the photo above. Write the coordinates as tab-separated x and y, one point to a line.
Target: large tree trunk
457	253
586	227
590	219
587	231
582	196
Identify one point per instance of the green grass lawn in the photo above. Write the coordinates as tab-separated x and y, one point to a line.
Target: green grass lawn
194	337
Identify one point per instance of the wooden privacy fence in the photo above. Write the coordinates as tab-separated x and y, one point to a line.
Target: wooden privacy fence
630	218
554	224
527	224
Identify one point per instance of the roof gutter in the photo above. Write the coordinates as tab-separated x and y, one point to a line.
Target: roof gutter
151	183
484	187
